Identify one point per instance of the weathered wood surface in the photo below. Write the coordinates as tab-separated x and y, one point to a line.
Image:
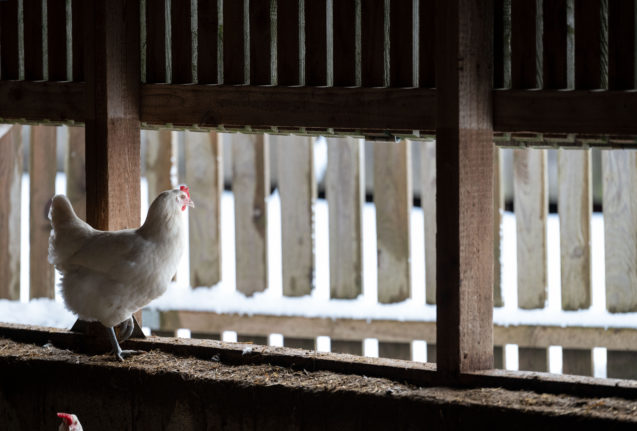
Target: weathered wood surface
42	170
38	101
531	206
577	361
345	346
297	187
621	365
498	209
428	203
161	155
575	207
392	198
11	196
345	188
619	169
533	359
251	187
204	176
75	170
464	170
388	349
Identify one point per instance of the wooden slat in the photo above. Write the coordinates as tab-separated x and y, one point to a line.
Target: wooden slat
288	59
621	365
75	170
523	44
428	203
401	44
588	44
181	42
373	68
345	188
234	67
315	43
393	197
207	41
11	195
621	44
577	361
56	39
77	37
160	153
619	169
533	359
299	343
250	185
33	58
575	206
427	43
260	42
387	349
42	170
464	166
297	187
531	205
554	44
156	41
344	346
9	60
344	43
498	210
38	101
204	175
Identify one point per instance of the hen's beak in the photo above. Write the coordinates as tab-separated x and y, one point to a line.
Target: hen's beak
190	203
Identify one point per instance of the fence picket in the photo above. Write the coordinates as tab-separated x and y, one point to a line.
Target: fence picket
250	185
347	346
577	361
297	187
392	197
42	170
74	168
498	208
11	194
393	350
160	153
428	203
533	359
204	175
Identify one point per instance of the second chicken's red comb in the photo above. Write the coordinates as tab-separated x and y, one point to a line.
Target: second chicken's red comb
185	189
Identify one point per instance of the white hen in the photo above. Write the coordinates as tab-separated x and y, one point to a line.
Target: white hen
69	422
107	276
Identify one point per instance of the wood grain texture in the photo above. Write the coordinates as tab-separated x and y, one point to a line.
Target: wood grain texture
250	185
39	101
533	359
393	350
288	55
161	154
498	210
207	41
315	43
75	170
588	44
554	44
181	42
575	206
156	41
577	361
464	199
428	203
619	169
33	25
11	195
392	198
345	196
523	44
297	186
9	60
234	66
56	40
530	184
42	170
204	176
621	365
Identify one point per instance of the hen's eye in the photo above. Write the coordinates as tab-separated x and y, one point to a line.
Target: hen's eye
182	196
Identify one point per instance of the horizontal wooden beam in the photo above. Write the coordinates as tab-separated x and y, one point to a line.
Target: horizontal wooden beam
43	101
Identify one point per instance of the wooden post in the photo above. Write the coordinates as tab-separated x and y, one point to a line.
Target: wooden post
464	166
498	208
11	196
42	170
428	204
161	151
75	169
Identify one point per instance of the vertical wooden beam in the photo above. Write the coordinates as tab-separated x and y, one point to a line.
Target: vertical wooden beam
207	41
75	169
33	24
345	195
297	186
523	44
161	152
620	364
56	40
11	196
42	170
9	60
261	43
428	203
181	42
392	198
316	43
288	57
498	208
204	175
464	166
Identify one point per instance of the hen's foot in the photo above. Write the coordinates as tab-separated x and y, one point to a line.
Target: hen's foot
123	354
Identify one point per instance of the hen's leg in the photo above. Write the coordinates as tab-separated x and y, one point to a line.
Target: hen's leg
117	351
129	325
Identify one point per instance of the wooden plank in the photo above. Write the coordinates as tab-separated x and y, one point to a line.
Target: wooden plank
575	206
156	41
38	101
207	41
75	170
33	54
315	42
530	203
297	187
161	154
533	359
393	197
345	189
621	365
288	53
464	199
498	210
428	203
427	43
577	361
11	195
588	44
181	42
250	185
621	44
9	60
234	55
554	44
344	43
299	343
523	44
387	349
42	170
261	42
345	346
204	174
374	71
77	39
401	54
56	40
619	169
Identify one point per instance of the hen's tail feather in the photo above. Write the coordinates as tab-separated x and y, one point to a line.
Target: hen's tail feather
68	232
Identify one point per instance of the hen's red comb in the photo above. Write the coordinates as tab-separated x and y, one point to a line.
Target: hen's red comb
185	189
67	418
